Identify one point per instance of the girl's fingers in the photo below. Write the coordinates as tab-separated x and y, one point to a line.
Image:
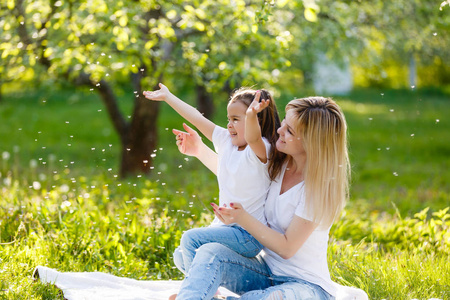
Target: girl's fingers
257	96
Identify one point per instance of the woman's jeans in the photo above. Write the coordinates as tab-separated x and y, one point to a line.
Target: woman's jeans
216	265
234	237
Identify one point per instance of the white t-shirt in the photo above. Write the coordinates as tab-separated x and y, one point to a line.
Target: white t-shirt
310	261
242	177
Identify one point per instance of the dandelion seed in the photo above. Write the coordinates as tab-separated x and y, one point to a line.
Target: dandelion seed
395	174
370	119
145	161
378	149
153	155
391	110
67	122
437	120
435	34
180	166
92	149
36	185
388	148
6	155
33	163
382	94
64	188
412	134
413	86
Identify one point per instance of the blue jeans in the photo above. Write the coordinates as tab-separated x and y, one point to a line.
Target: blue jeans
234	237
215	265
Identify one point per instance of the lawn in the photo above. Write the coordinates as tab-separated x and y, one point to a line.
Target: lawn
63	206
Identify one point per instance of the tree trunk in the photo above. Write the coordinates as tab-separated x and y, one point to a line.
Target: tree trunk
139	137
412	71
142	136
141	140
204	101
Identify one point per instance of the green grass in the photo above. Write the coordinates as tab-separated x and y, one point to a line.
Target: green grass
62	206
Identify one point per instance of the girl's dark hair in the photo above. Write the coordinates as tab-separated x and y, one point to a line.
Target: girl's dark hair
269	121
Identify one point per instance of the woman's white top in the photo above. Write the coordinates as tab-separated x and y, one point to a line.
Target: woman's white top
242	177
310	261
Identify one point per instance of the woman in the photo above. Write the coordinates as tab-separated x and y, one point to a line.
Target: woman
301	206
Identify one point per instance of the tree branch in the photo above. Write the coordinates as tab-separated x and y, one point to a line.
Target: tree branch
109	100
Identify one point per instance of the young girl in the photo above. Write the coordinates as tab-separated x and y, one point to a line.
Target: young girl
246	162
302	203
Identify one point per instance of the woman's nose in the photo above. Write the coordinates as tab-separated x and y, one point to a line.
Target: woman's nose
279	130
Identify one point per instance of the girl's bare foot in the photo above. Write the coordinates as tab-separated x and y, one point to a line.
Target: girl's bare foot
173	297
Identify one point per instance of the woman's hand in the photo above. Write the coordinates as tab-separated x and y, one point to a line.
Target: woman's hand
160	95
257	106
188	142
228	215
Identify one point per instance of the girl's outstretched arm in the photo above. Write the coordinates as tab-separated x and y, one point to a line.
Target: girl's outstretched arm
190	143
285	245
253	130
188	112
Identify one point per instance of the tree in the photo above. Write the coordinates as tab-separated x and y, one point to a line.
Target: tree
100	43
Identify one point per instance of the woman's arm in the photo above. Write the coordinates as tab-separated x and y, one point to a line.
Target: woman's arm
285	245
188	112
190	143
253	130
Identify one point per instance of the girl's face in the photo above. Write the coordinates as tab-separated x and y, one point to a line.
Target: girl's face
289	141
236	123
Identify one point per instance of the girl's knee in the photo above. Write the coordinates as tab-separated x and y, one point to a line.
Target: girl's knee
213	251
187	238
275	295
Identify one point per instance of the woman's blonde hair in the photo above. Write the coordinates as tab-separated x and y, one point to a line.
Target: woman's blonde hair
323	131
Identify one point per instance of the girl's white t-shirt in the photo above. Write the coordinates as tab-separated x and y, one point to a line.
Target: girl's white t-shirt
310	261
242	177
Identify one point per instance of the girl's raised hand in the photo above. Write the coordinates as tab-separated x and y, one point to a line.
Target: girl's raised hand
188	142
257	106
160	95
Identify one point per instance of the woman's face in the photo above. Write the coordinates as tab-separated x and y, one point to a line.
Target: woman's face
289	141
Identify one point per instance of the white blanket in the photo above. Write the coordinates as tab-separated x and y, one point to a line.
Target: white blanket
102	286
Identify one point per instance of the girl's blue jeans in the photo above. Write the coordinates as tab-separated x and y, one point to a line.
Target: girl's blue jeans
233	237
216	265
